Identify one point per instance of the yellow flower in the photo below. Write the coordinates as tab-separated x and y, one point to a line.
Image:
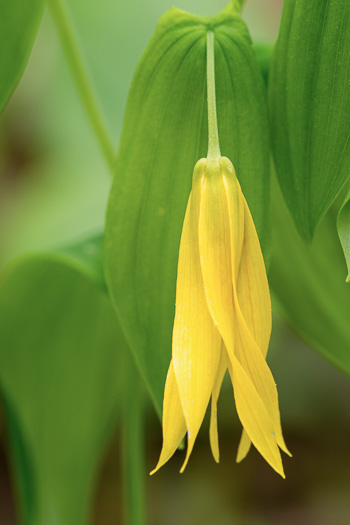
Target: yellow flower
222	321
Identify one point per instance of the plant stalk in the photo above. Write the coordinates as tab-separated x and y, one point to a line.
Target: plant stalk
74	57
133	451
213	134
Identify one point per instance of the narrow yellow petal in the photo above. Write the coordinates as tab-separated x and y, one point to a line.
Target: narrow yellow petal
220	237
253	362
235	213
215	252
196	341
254	416
174	424
254	299
252	285
213	431
248	352
243	447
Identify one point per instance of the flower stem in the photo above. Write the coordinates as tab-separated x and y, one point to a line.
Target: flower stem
133	450
213	134
75	61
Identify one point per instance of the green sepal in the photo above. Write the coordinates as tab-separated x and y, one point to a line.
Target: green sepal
310	107
164	135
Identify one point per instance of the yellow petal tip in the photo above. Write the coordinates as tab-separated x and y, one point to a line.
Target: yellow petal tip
214	444
279	469
185	463
216	458
153	471
157	467
282	445
239	458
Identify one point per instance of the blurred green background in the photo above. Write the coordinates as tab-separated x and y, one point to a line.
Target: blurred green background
54	185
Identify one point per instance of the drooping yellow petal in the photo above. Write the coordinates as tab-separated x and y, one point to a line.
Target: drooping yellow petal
220	252
254	299
196	341
252	286
213	431
243	447
248	330
235	213
215	252
174	424
254	416
254	364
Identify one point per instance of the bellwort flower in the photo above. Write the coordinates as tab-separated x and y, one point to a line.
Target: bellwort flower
223	313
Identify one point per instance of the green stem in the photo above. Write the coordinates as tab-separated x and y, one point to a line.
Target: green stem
133	452
75	61
213	134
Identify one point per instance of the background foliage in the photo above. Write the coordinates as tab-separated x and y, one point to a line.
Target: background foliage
54	188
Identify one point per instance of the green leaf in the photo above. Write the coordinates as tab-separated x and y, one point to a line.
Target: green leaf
60	355
308	283
263	52
343	224
310	106
19	22
164	134
86	255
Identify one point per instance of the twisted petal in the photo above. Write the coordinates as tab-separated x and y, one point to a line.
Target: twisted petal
252	286
253	309
213	432
253	290
236	215
174	424
220	234
254	416
196	341
215	250
250	357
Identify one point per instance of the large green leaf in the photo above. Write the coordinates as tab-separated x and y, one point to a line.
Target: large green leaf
343	224
308	283
164	134
60	349
86	255
310	107
19	21
263	52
